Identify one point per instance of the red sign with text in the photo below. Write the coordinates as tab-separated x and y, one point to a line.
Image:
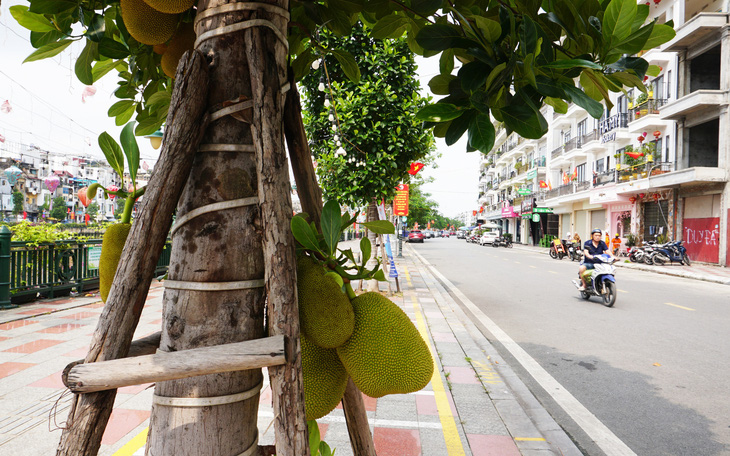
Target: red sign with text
400	202
702	239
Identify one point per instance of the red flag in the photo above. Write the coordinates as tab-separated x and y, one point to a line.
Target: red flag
575	174
543	184
481	209
415	168
87	217
25	215
68	210
473	212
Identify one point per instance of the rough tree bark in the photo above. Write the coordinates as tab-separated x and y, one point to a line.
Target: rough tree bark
185	123
373	285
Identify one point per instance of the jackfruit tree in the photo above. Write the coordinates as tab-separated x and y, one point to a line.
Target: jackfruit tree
225	122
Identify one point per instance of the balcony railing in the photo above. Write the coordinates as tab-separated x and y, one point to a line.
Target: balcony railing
604	178
620	120
644	170
557	152
539	161
650	106
588	137
571	144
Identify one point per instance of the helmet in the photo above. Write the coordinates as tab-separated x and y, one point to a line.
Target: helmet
567	234
616	234
595	230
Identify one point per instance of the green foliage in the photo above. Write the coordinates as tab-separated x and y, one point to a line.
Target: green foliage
17	202
317	447
59	210
92	210
115	154
375	118
40	233
323	247
422	209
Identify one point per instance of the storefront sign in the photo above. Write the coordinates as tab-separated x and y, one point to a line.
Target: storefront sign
400	202
94	257
526	206
524	191
508	212
702	238
609	124
608	137
531	174
542	210
536	218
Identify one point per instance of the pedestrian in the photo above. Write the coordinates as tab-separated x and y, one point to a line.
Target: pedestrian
616	244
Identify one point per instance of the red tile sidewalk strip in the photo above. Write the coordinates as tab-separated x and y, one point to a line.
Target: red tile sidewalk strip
426	405
52	381
121	423
492	445
461	375
8	369
32	347
397	442
61	328
38	311
17	324
370	403
81	315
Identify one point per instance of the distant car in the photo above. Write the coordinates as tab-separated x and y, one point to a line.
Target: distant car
461	234
445	234
488	237
416	236
428	234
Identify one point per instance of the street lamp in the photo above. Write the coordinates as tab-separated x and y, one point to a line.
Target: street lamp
155	139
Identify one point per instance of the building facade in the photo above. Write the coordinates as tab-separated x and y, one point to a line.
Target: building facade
654	167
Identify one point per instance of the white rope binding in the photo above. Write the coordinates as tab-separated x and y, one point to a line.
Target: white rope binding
248	6
242	26
231	109
207	401
227	148
254	448
232	204
214	286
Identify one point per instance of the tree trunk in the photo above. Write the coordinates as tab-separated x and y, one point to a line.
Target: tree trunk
223	245
373	285
185	123
267	62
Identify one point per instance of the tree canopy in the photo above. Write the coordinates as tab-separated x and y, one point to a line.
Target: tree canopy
364	134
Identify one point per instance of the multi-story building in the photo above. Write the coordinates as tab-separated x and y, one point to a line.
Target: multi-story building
655	166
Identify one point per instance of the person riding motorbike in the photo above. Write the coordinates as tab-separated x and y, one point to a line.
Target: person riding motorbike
594	246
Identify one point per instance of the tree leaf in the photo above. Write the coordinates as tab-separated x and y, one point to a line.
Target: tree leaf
637	65
112	49
53	6
572	63
391	26
458	127
446	62
473	76
113	153
481	133
38	39
380	276
331	222
426	7
489	28
150	125
617	20
380	227
577	96
659	35
159	99
438	37
438	112
634	42
49	50
559	105
439	84
96	28
314	437
304	235
348	64
131	150
82	68
365	249
523	120
102	67
32	21
119	107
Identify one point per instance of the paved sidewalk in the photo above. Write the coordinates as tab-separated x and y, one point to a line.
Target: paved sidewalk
475	405
698	271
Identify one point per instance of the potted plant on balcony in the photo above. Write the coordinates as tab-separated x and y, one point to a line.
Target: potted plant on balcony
641	110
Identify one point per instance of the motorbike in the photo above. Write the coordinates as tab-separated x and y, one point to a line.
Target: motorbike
502	242
671	252
575	252
642	254
557	250
600	280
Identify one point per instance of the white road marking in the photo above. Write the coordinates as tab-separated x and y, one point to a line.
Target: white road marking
593	427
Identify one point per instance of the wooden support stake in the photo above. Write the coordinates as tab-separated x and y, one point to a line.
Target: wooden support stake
117	373
311	198
186	123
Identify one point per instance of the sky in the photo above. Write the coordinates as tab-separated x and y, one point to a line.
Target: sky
50	111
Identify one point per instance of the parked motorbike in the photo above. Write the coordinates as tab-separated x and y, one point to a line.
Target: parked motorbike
671	252
502	242
575	252
600	281
557	250
642	254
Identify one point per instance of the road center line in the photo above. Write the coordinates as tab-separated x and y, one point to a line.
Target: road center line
596	430
679	307
533	267
623	291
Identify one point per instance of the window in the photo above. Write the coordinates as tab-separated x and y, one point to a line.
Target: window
658	149
608	163
621	104
600	166
582	128
658	87
666	148
669	84
581	172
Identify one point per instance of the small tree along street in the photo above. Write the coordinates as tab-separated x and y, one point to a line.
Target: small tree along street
224	117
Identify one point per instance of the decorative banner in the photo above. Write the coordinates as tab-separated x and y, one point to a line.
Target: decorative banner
2	139
543	184
400	202
89	91
634	155
389	252
508	212
381	210
415	168
113	188
12	174
5	107
145	166
52	183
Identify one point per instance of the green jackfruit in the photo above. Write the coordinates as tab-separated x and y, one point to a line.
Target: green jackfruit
147	25
325	312
386	354
324	378
111	250
171	6
183	40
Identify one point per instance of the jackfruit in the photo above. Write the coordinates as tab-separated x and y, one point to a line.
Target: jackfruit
183	40
147	25
324	378
325	312
111	250
386	354
171	6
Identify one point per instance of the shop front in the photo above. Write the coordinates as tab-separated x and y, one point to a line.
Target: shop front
537	222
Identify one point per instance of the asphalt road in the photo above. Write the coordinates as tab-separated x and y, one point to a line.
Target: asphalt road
653	369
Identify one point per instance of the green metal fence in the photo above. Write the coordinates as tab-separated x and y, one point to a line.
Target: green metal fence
53	269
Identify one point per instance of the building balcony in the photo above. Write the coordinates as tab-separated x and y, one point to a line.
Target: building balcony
701	29
664	175
696	102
